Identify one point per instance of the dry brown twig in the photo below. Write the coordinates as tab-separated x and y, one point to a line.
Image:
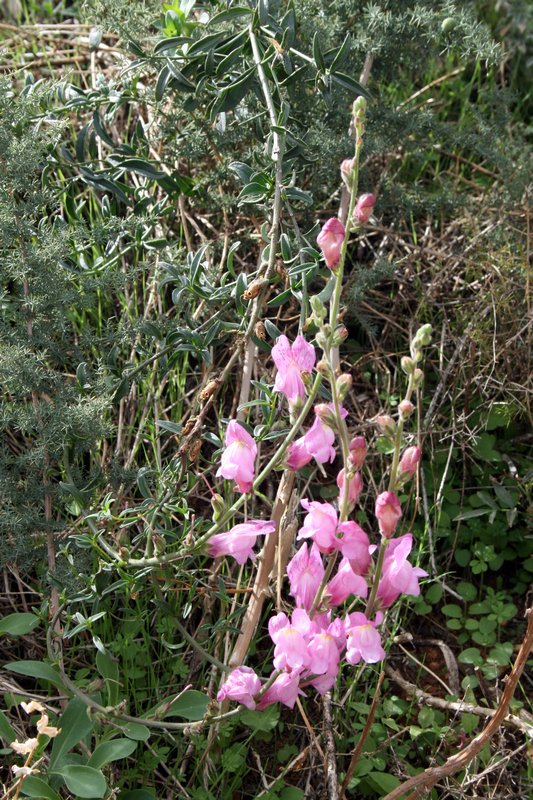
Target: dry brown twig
427	779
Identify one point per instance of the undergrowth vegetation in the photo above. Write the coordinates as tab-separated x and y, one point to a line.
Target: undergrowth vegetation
173	219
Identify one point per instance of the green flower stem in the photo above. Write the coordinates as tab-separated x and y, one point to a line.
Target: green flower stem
398	440
369	610
278	455
392	485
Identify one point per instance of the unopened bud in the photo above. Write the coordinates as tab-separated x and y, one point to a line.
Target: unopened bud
254	288
388	512
386	423
359	109
218	506
409	461
418	378
322	338
323	367
326	414
405	408
407	364
364	208
340	336
344	384
95	37
357	451
347	171
318	307
422	337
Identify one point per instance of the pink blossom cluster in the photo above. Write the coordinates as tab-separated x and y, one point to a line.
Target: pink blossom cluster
310	644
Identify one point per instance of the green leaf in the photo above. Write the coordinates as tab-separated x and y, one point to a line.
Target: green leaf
382	782
36	787
75	725
471	514
317	54
113	750
452	610
500	654
84	781
136	731
434	593
6	731
137	794
471	656
261	720
230	96
231	13
36	669
18	624
426	717
190	705
467	590
349	83
292	793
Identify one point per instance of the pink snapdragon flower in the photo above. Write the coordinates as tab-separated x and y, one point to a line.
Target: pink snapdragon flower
330	241
238	459
388	512
290	638
325	647
298	455
320	524
292	361
398	576
353	543
241	685
318	442
357	451
364	207
305	571
409	461
355	487
345	583
364	641
240	540
285	689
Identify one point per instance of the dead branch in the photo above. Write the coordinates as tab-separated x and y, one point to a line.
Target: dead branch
427	779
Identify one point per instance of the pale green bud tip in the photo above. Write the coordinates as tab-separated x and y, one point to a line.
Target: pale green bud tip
344	384
418	377
408	365
359	106
318	307
217	503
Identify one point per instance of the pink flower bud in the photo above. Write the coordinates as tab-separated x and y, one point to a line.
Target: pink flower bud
330	241
357	451
406	408
388	511
355	483
385	423
364	207
347	171
409	460
326	414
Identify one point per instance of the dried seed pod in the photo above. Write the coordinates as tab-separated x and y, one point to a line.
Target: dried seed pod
260	331
209	389
194	449
188	427
254	288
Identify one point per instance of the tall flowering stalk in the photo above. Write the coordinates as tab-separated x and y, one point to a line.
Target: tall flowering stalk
336	565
